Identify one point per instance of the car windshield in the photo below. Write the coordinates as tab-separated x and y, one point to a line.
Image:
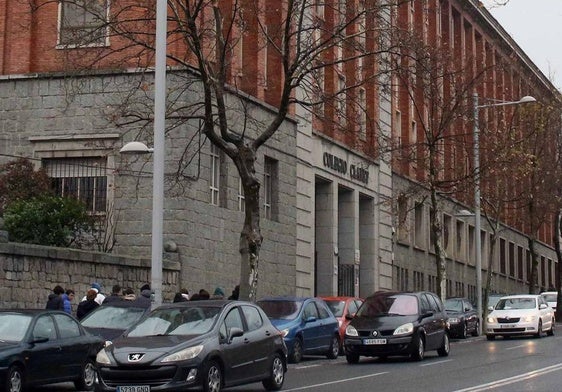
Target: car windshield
193	320
336	306
281	310
394	304
113	317
516	303
453	305
13	326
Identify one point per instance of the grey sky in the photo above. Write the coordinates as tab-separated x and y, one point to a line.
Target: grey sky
536	26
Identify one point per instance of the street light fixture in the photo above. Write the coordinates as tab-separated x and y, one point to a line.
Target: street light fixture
158	150
478	241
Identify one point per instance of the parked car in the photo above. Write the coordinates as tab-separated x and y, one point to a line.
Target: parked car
344	308
41	347
525	314
306	323
398	323
551	298
463	318
211	344
111	320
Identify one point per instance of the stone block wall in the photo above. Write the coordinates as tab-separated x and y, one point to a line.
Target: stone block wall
28	273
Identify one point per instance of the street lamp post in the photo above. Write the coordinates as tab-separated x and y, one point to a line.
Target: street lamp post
477	229
158	150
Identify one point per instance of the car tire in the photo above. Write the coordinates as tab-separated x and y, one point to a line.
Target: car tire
538	335
445	348
87	377
352	358
15	381
464	330
212	377
418	348
296	355
476	329
334	350
277	376
552	327
491	337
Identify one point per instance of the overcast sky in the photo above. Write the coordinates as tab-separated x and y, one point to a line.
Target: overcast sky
536	26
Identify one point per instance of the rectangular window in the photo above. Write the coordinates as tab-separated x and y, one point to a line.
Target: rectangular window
460	236
82	178
270	188
471	246
362	114
520	263
214	183
341	104
511	256
83	22
241	198
503	258
420	226
319	8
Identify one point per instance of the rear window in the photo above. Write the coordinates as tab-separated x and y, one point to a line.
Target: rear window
336	307
392	304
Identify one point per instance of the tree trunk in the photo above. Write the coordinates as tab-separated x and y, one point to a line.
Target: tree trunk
533	278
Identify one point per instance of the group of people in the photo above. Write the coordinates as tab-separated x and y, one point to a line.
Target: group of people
60	299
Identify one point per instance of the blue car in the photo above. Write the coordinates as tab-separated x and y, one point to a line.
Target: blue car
306	323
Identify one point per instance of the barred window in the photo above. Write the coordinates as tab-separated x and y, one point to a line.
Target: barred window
83	22
215	175
82	178
241	197
270	188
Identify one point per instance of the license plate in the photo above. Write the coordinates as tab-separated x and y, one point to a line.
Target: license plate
133	388
374	341
507	326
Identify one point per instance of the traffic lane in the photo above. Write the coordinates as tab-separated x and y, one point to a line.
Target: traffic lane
473	363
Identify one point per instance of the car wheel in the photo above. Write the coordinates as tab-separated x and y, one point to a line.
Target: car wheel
551	330
296	355
464	331
15	380
418	348
277	375
491	337
443	351
539	330
476	328
87	377
212	377
352	358
334	348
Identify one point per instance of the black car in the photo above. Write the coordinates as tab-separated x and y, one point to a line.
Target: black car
463	318
397	323
213	344
111	320
39	347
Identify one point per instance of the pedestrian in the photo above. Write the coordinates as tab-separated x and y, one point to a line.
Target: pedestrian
195	297
100	297
218	293
88	305
144	300
204	294
235	293
179	297
185	293
115	295
55	302
129	294
67	299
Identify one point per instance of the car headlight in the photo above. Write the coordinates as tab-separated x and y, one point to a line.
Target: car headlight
103	358
491	320
454	320
182	355
405	329
529	319
351	331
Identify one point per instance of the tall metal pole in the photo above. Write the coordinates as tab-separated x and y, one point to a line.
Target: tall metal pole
159	142
477	239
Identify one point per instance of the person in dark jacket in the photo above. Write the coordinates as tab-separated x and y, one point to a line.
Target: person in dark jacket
179	298
115	295
145	298
55	301
88	305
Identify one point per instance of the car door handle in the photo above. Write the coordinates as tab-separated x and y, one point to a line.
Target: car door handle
246	341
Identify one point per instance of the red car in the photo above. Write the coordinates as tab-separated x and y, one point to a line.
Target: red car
342	307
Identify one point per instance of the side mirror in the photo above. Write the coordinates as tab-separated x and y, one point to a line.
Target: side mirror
490	308
542	306
234	333
39	339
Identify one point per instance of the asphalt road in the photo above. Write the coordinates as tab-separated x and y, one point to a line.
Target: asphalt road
474	364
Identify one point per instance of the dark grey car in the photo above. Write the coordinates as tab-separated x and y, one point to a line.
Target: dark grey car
208	344
398	323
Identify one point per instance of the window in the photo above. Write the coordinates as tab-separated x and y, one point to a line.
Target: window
270	188
310	311
241	197
403	218
362	114
253	318
83	22
215	175
68	328
82	178
420	228
341	104
319	8
44	328
232	320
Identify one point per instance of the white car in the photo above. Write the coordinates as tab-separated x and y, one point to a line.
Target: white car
524	314
550	297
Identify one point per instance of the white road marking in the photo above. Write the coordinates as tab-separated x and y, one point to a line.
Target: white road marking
511	380
515	347
335	382
306	366
436	363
